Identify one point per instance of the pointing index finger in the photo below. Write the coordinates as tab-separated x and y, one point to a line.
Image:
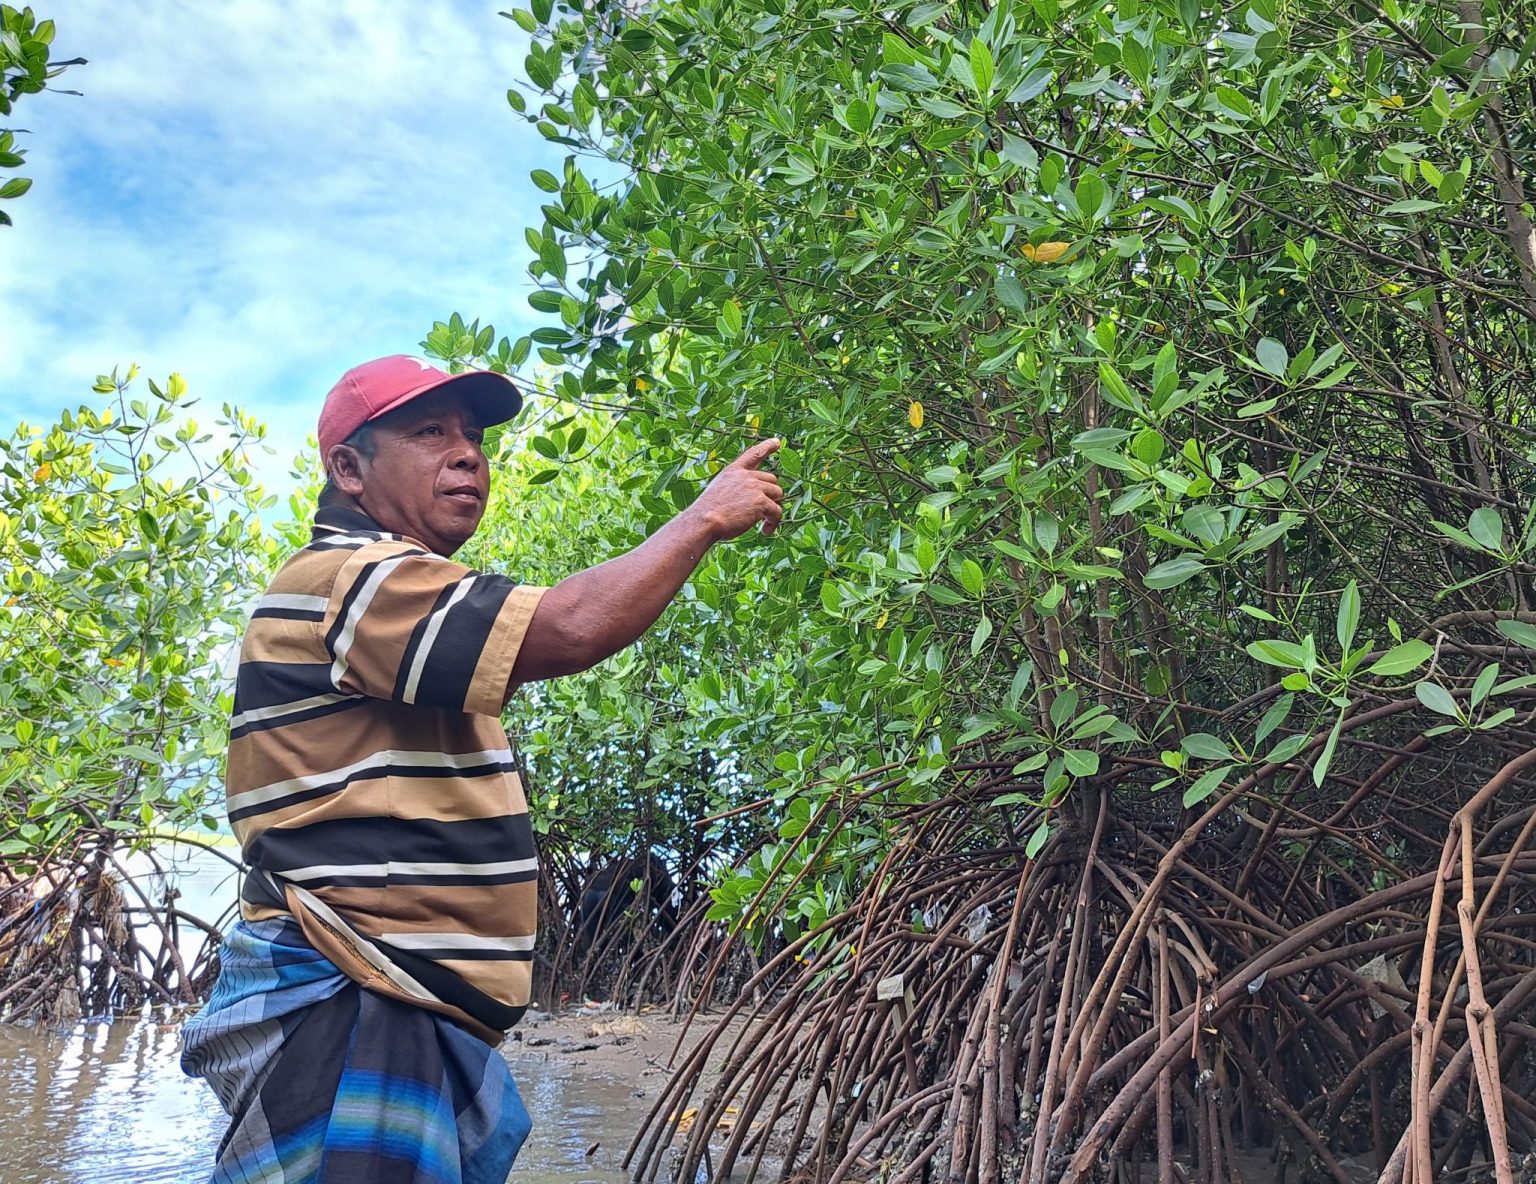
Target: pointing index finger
753	457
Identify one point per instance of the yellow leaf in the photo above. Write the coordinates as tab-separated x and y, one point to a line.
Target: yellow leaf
1334	92
641	384
685	1120
11	601
113	661
1045	252
755	422
915	414
44	471
882	619
1392	101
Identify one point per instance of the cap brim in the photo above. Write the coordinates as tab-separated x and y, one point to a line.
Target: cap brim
493	397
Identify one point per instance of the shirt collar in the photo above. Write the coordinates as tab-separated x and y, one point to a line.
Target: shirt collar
344	520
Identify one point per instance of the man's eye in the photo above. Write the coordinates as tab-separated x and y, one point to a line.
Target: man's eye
430	428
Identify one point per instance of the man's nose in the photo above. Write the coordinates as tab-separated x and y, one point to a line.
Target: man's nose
467	454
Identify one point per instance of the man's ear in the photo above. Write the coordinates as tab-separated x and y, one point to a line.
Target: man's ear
345	466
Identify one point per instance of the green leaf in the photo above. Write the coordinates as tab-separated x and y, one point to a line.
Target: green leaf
982	68
1400	659
1020	683
1032	85
1138	62
1437	699
1486	677
1235	102
1519	632
1272	356
1206	747
1205	785
1273	652
1037	839
1287	748
1063	707
1348	615
1277	714
982	632
1497	719
1457	534
1487	527
1019	151
1173	572
1082	762
1099	438
1010	292
971	577
1325	759
1047	532
1092	195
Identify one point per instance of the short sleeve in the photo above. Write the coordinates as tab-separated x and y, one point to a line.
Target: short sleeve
406	625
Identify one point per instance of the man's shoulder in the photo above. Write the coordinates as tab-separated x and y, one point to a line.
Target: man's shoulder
308	577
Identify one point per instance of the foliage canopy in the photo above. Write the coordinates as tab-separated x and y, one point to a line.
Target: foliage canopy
1157	385
24	70
129	553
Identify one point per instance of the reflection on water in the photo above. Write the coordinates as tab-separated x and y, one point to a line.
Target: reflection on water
102	1102
107	1104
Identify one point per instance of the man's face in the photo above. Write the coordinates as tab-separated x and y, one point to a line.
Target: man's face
428	476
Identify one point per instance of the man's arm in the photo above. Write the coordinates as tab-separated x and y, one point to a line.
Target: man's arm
597	612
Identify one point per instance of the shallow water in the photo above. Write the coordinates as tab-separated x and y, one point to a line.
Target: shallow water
107	1104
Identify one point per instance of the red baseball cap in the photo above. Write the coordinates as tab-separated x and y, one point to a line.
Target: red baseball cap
378	387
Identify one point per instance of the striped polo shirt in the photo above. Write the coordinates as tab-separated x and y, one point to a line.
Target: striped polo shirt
370	782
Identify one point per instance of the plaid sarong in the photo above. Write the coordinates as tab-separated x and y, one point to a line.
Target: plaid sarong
326	1083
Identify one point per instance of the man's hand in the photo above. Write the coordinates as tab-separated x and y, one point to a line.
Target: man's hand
742	495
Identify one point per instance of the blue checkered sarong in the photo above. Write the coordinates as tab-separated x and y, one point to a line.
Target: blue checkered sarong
326	1083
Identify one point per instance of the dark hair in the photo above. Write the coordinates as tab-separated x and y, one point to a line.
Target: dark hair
363	441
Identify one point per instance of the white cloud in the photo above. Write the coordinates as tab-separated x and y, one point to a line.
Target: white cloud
261	194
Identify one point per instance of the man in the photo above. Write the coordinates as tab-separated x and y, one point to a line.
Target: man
387	920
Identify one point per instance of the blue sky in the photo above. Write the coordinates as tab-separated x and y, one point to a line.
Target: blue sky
261	194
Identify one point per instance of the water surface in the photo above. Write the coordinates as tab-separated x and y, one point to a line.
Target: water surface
106	1103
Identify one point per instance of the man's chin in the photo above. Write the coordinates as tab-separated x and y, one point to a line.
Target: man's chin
455	534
